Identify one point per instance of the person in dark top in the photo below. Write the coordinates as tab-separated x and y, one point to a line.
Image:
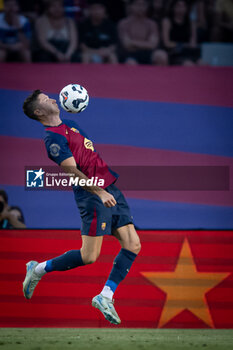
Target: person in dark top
10	216
98	36
103	208
179	35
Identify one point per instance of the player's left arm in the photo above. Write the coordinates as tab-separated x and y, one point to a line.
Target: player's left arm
69	166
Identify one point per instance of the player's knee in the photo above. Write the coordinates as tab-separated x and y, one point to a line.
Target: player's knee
89	258
135	246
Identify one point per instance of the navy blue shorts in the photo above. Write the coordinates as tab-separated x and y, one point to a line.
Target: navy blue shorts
98	220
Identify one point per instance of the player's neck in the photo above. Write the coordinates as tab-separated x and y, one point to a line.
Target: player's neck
53	120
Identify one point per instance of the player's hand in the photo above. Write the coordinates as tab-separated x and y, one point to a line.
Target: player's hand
107	199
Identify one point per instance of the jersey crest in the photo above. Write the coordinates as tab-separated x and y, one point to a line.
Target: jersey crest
88	144
74	130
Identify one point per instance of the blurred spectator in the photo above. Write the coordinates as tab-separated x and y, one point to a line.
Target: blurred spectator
198	15
1	5
157	11
98	36
75	9
139	37
14	34
224	20
179	34
56	35
10	217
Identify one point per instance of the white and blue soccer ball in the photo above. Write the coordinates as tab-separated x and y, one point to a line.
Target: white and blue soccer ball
74	98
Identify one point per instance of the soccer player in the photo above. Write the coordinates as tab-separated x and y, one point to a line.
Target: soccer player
104	210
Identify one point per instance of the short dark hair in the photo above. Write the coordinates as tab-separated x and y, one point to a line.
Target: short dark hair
29	104
4	195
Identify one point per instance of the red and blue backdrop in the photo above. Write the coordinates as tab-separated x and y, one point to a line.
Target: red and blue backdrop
174	116
181	279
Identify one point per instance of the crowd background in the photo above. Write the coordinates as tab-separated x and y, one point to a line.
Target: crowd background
159	32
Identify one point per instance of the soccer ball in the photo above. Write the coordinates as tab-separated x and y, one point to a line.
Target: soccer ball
74	98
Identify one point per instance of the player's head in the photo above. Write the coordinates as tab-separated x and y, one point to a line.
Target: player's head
39	106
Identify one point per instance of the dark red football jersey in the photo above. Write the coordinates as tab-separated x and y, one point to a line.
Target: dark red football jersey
67	140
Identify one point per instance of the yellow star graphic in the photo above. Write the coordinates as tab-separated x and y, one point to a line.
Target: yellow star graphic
185	288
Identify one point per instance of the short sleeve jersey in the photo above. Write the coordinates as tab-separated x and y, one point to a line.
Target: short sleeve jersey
67	140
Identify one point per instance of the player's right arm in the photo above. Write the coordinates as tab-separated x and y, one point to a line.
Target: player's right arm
60	153
69	166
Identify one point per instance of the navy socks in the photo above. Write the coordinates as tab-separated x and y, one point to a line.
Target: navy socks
67	261
73	258
121	267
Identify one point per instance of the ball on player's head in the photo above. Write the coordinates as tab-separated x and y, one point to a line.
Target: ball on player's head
74	98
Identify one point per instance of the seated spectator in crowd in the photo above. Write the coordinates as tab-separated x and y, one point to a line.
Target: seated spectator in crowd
139	37
56	35
98	36
14	34
10	216
224	20
179	35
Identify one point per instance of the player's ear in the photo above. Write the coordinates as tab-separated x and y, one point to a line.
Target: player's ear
38	112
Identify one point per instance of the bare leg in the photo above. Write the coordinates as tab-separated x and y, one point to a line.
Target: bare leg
130	244
91	247
128	238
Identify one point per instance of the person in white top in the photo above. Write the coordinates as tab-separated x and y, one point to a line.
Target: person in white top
56	34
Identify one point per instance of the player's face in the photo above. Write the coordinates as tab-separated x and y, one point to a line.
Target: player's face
47	105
